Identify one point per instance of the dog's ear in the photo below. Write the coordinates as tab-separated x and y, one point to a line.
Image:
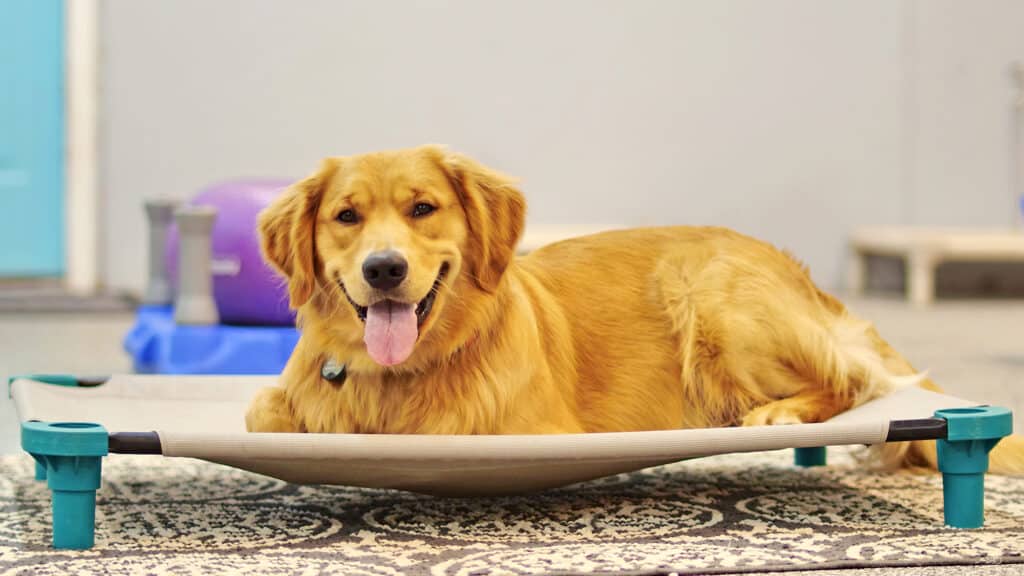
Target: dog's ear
287	228
495	214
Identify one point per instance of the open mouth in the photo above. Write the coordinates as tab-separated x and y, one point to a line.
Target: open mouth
424	306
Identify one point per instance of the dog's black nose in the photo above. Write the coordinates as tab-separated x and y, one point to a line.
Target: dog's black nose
385	270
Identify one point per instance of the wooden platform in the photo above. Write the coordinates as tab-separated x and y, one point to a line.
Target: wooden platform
923	249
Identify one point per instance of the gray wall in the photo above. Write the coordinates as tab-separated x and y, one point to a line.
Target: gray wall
793	120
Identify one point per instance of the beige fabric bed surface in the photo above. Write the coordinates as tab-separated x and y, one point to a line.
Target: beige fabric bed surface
202	417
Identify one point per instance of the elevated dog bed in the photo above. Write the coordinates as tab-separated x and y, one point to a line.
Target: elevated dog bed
69	424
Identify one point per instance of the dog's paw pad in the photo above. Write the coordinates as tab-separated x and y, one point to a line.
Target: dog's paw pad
785	419
771	415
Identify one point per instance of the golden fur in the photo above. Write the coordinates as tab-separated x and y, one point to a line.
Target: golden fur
644	329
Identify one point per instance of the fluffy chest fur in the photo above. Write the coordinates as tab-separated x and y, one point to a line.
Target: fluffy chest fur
483	387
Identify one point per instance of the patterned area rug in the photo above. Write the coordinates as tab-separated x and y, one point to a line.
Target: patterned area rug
722	515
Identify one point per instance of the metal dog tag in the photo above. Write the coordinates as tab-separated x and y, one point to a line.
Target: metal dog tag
333	371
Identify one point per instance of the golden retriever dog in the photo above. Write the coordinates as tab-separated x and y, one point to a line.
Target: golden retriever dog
403	268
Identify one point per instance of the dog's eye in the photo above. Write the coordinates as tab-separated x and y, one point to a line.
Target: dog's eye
422	209
348	216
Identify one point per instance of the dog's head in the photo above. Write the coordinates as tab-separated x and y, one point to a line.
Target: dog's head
383	244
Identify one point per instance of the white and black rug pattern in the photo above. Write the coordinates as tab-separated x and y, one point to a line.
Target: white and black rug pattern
721	515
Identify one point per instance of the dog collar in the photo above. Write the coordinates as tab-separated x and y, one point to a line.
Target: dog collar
333	371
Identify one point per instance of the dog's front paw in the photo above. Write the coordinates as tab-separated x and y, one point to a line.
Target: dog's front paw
269	412
772	414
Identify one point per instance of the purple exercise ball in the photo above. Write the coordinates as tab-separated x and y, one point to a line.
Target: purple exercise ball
245	288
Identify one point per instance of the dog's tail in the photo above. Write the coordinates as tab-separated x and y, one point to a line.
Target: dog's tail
852	360
1006	459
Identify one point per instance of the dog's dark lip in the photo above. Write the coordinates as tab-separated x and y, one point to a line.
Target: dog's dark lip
424	306
360	310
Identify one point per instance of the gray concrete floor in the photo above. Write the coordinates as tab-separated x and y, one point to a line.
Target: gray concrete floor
974	349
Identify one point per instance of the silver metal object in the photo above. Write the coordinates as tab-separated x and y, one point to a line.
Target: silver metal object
195	304
158	214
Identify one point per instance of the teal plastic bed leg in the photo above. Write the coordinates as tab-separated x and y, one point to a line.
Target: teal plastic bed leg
807	457
71	455
40	471
963	460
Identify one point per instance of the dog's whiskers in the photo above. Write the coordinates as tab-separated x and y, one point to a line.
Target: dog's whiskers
332	291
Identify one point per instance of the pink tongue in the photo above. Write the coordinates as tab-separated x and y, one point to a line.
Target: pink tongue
390	332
